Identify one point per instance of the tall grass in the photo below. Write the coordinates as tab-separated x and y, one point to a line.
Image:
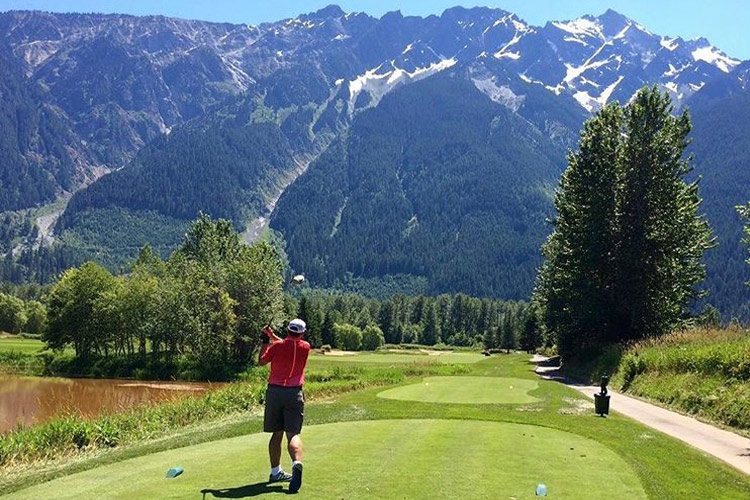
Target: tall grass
705	372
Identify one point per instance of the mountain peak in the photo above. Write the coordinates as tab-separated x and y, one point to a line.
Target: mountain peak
612	22
327	12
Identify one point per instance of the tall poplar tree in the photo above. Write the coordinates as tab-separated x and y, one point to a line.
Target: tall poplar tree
625	257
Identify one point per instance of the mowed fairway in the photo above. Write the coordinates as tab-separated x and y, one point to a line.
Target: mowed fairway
380	459
396	358
20	345
466	390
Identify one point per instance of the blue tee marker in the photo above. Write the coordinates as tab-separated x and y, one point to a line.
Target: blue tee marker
174	472
541	490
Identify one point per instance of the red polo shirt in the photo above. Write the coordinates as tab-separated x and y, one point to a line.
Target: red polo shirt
288	359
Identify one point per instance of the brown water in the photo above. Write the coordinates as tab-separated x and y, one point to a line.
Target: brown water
29	400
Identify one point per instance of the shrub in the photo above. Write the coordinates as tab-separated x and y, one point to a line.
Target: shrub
348	337
372	338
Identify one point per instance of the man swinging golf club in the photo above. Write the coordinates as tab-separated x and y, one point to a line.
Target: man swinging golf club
285	401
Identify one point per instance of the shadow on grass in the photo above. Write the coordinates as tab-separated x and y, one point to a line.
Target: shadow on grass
247	491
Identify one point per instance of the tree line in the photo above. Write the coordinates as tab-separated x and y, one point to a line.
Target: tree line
197	314
353	322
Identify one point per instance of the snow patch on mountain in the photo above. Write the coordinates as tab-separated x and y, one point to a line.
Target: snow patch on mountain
712	55
581	27
669	43
379	84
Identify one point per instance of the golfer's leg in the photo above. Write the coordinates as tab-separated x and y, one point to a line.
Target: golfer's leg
274	448
294	445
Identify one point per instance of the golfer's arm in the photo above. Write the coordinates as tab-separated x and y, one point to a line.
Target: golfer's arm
263	349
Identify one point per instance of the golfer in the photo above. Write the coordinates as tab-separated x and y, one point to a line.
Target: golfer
285	401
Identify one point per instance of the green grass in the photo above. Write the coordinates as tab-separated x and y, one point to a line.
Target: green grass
398	358
473	449
20	345
466	390
375	460
68	435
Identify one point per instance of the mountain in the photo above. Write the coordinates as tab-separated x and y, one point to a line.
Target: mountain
721	141
194	116
437	182
119	81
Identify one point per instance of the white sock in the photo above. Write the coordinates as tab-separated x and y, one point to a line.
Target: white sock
275	470
296	462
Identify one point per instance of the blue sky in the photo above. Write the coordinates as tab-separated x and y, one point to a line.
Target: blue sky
724	22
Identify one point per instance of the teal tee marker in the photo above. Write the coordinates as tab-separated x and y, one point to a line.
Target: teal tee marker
541	490
174	472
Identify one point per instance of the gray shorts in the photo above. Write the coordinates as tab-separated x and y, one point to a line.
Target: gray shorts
285	409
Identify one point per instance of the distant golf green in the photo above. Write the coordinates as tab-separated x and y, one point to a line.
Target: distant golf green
468	390
380	459
395	357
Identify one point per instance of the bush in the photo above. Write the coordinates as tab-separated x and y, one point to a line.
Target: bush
12	314
372	338
348	337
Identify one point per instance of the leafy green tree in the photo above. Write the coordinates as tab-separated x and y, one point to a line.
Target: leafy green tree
12	314
372	338
211	242
36	317
576	284
709	317
661	237
255	284
348	337
624	259
72	307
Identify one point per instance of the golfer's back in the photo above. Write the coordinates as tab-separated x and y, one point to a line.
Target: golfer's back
288	360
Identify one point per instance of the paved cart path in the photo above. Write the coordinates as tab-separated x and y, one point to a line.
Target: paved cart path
724	445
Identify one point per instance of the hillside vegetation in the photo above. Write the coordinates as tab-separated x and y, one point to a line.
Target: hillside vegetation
703	372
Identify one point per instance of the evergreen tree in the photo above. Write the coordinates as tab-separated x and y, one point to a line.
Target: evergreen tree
744	212
327	333
310	313
531	335
431	326
508	338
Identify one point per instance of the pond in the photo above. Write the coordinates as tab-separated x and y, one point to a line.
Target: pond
26	401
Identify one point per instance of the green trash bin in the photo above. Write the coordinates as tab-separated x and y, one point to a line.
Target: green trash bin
601	404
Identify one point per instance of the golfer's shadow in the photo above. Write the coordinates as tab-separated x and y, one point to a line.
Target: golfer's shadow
247	491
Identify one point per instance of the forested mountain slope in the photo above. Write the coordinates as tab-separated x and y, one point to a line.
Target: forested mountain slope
721	145
437	181
37	150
